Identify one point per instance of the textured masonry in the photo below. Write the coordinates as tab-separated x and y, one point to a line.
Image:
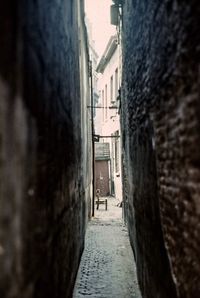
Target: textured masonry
43	192
161	141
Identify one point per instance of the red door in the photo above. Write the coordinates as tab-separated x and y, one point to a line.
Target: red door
102	177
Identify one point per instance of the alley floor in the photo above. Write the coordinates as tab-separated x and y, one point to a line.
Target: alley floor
107	268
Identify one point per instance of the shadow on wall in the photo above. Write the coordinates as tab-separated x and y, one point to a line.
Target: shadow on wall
160	81
43	205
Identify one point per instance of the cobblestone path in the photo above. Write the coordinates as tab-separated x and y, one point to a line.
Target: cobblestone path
107	268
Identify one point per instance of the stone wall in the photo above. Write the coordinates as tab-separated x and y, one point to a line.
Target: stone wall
43	195
161	140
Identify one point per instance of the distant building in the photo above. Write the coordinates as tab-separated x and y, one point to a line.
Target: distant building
93	56
107	114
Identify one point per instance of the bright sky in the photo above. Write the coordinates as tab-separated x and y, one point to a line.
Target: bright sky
98	13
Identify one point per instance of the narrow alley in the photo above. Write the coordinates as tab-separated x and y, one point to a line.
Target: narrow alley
99	99
107	267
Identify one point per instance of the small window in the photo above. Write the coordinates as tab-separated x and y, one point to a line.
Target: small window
102	93
116	83
111	89
106	102
117	149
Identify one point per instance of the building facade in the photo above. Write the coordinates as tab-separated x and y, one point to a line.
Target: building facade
107	111
93	57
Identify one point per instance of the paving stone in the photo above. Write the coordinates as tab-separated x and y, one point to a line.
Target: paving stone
107	267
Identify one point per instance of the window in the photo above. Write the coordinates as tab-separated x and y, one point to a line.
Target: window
117	151
102	93
111	89
116	83
106	102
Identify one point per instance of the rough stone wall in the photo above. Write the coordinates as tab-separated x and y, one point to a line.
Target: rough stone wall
42	199
161	140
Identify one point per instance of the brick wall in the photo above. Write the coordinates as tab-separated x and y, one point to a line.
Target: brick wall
43	196
160	120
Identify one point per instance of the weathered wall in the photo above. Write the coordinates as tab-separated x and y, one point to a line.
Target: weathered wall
160	118
85	117
42	198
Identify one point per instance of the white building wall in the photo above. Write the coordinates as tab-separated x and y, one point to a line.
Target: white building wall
107	119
